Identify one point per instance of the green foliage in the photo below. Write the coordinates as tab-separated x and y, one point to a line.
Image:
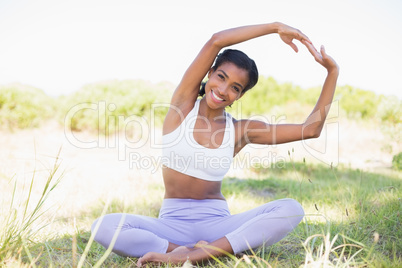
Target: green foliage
110	107
24	106
107	106
390	115
397	161
266	95
358	103
390	110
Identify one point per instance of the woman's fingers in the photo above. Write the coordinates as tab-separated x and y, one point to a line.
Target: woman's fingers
288	34
304	38
292	45
299	35
321	57
317	56
289	41
323	53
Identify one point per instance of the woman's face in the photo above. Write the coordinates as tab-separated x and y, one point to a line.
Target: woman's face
225	85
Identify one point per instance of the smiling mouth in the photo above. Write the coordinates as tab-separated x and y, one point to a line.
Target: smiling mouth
216	97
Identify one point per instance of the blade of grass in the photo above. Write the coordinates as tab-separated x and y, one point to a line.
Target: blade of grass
92	237
110	248
18	227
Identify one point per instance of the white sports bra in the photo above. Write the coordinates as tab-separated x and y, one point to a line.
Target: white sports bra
181	152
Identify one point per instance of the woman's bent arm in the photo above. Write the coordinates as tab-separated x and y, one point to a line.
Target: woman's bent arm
263	133
187	91
312	127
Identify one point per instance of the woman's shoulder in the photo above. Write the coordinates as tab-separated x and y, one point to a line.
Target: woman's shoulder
177	114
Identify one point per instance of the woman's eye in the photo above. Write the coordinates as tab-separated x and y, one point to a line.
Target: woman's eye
236	88
221	76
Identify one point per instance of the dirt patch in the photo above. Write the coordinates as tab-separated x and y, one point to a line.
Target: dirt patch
101	170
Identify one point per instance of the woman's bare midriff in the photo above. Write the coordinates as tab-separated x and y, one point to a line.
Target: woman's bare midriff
179	185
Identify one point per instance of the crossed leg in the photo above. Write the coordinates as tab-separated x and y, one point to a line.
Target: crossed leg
266	224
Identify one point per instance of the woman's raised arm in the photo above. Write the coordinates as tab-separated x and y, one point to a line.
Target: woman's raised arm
187	91
315	122
262	133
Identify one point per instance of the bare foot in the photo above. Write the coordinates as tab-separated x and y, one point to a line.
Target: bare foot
182	249
176	256
185	249
173	257
201	243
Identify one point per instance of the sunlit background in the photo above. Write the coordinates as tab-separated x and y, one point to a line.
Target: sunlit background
59	46
348	180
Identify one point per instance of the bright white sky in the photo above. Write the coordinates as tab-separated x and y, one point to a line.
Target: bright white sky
59	46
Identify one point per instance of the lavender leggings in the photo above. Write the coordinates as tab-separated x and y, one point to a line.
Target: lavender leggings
187	221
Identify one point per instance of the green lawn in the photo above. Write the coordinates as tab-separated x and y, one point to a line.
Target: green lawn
352	220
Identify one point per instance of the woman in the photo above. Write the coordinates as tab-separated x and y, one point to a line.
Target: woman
199	142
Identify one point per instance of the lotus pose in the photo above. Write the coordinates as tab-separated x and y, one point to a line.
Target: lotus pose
199	142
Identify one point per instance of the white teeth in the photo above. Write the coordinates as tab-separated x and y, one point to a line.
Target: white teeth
216	97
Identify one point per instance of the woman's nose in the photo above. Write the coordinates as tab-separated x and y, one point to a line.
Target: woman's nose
222	90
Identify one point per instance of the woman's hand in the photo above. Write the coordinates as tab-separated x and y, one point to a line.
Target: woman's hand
287	34
322	57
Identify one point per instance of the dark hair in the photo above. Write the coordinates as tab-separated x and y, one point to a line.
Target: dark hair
241	60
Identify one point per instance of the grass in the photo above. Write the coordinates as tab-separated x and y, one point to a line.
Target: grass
353	216
23	219
352	220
